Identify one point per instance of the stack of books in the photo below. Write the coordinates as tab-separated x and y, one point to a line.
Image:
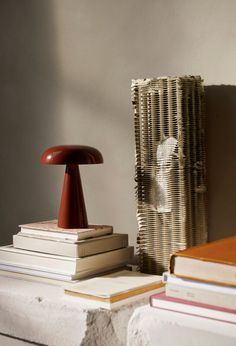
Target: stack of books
43	250
202	281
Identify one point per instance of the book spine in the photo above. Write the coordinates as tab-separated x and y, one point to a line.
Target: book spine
41	277
198	295
39	263
173	279
122	256
172	264
79	249
80	235
161	301
66	265
102	245
48	234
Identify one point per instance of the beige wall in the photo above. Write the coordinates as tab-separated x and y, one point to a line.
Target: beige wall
66	68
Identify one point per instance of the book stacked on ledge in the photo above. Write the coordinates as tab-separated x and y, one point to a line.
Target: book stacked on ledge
202	281
113	290
45	250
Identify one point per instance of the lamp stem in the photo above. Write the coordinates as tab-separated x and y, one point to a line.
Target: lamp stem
72	213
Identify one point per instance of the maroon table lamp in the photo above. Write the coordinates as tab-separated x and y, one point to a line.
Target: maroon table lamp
72	212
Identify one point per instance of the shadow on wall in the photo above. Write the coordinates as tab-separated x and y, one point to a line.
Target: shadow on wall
221	159
28	91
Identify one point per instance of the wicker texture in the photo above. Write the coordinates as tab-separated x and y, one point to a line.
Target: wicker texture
170	167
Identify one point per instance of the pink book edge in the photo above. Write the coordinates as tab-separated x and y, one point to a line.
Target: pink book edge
162	296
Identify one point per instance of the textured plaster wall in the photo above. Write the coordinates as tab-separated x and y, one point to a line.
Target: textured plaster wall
65	70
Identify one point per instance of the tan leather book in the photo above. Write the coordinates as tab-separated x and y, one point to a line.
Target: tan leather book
211	262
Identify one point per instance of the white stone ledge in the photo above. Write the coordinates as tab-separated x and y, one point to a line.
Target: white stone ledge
152	327
41	313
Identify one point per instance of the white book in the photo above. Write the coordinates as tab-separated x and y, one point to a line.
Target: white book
55	278
34	275
196	291
162	301
71	248
50	229
67	265
113	290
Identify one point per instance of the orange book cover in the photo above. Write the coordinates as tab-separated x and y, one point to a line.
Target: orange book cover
218	251
213	262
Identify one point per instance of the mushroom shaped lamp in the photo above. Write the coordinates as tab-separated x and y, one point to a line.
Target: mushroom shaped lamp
72	213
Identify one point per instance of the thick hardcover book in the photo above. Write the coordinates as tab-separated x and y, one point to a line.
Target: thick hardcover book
67	265
161	301
71	248
50	229
213	262
115	289
201	292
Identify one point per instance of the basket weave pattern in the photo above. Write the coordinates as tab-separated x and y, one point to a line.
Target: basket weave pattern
170	171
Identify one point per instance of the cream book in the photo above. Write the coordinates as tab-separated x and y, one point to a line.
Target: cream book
67	265
113	290
50	229
54	277
70	248
201	292
163	302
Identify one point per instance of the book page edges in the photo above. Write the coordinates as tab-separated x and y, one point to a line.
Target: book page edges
206	281
117	297
51	226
